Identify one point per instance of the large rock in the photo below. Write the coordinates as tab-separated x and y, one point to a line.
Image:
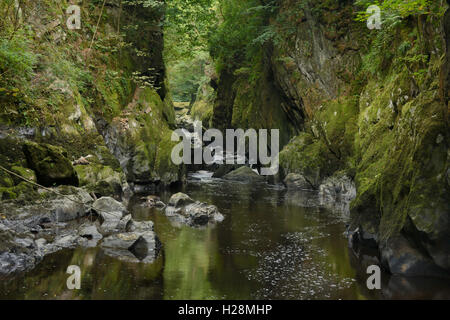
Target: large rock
69	203
50	164
402	258
338	188
179	200
223	170
297	181
133	246
244	174
102	180
184	210
112	214
141	140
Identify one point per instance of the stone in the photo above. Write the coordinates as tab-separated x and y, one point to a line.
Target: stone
179	200
183	210
144	246
50	164
244	174
101	180
111	213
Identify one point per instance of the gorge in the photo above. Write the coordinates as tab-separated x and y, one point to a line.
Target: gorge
88	114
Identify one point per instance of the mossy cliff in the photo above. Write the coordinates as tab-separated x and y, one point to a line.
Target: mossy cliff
70	90
368	104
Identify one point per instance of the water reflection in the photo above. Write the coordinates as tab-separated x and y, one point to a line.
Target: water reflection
272	244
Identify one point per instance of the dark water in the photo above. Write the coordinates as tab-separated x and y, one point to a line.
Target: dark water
272	244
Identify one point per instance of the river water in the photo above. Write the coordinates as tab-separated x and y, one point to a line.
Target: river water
273	244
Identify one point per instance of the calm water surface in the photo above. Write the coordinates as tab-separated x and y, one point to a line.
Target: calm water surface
272	245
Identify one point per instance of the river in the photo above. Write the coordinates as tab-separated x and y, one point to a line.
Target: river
273	244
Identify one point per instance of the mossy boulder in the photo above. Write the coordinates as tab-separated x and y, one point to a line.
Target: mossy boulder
244	174
101	180
309	157
50	163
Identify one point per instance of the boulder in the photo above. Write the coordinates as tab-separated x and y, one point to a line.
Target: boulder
69	208
297	181
223	170
101	180
112	214
90	232
185	210
402	258
50	164
244	174
143	246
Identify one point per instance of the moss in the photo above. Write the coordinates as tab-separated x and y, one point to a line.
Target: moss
101	180
7	194
50	164
24	172
5	179
203	110
308	156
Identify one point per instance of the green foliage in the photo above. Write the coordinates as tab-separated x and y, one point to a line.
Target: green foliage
243	32
401	8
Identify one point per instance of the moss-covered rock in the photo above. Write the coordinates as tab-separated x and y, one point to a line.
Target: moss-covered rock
5	179
140	139
23	172
309	157
101	180
50	164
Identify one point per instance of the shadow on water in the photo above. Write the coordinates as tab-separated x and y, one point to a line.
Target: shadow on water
272	244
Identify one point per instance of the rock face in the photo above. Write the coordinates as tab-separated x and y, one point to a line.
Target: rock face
182	209
50	164
357	115
244	174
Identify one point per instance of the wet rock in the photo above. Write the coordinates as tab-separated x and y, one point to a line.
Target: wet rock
109	208
402	258
133	246
90	232
244	174
140	226
223	170
338	188
15	262
153	202
179	200
111	213
50	164
185	211
69	204
64	209
101	180
297	181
